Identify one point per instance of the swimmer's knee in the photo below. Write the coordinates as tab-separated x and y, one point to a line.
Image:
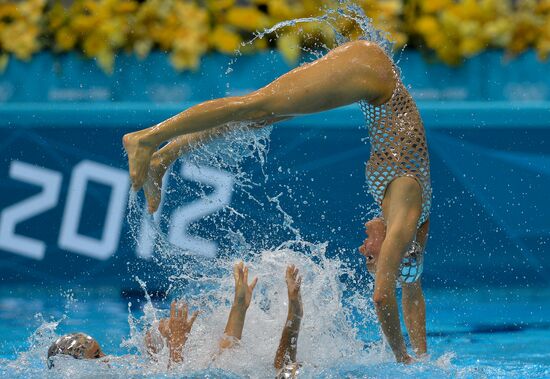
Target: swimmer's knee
380	68
251	107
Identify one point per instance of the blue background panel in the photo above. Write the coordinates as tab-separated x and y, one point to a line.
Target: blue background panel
70	78
490	166
489	217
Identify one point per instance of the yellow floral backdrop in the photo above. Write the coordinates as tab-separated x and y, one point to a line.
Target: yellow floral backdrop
450	30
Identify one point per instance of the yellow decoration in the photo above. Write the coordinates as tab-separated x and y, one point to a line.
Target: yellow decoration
224	39
453	30
247	18
20	27
219	5
432	6
289	46
65	39
4	60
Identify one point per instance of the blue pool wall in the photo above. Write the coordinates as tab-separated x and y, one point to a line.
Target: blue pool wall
61	166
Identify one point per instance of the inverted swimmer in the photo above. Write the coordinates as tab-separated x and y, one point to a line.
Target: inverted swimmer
397	171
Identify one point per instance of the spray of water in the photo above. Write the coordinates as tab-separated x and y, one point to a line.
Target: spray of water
243	148
326	323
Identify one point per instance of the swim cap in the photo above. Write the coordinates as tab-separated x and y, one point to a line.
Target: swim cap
290	370
75	345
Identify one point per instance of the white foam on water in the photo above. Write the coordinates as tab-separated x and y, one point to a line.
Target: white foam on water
327	336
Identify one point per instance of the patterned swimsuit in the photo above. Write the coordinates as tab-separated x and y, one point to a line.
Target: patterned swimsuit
398	146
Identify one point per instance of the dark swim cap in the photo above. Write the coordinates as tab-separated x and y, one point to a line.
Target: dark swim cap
74	345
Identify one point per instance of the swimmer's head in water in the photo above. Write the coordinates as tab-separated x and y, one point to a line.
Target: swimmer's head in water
76	345
289	371
376	232
412	264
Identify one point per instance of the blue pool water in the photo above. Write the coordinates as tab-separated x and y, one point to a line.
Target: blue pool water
485	333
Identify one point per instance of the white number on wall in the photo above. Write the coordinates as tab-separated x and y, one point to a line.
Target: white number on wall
194	211
147	235
69	238
50	181
104	247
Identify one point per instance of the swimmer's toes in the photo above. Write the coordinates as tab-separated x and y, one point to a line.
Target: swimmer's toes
153	205
135	178
125	141
135	173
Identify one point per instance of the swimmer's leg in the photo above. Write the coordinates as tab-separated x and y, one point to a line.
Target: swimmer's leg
359	70
288	345
163	158
401	208
414	312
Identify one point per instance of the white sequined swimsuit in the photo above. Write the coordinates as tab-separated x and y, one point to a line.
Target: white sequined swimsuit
398	146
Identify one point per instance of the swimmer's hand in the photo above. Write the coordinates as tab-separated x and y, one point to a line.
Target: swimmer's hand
288	344
176	329
243	291
294	284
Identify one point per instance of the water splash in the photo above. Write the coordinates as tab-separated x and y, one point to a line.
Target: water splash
326	322
38	343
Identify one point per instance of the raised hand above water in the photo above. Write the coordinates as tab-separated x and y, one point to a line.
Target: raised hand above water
243	295
243	291
176	328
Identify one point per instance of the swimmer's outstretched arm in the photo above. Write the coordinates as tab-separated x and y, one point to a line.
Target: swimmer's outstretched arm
414	305
243	295
359	70
288	345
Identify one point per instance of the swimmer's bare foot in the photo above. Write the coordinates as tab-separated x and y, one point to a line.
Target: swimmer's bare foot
153	184
139	155
294	283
